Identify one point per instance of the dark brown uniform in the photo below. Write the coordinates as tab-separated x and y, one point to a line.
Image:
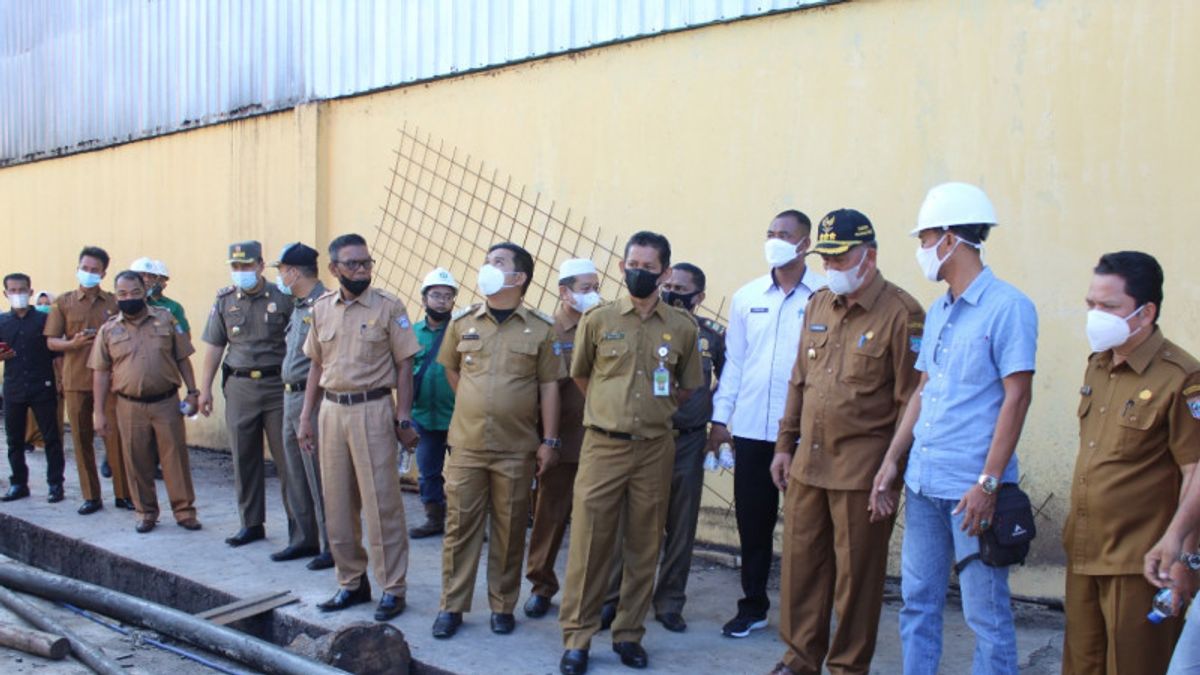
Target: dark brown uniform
1137	428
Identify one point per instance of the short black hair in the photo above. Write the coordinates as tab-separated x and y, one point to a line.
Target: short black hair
655	241
94	252
522	261
696	272
309	271
975	234
1142	274
342	242
799	217
129	274
17	276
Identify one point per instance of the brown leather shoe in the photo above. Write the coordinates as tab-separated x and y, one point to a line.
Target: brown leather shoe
145	526
189	524
782	669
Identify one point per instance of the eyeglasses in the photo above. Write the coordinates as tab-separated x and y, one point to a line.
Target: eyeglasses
440	297
353	265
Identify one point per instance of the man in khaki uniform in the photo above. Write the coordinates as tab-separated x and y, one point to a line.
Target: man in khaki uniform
71	328
1139	439
142	355
578	291
249	318
499	357
852	378
361	344
636	360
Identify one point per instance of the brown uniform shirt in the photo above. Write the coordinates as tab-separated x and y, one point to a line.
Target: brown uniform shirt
358	343
143	354
1137	427
618	352
72	312
570	425
499	369
251	324
852	379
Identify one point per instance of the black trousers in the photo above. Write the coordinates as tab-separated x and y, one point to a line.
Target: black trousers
756	503
46	413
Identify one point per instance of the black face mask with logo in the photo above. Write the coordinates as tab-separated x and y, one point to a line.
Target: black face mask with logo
641	283
680	300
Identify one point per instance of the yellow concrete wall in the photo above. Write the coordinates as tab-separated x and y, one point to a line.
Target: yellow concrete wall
1073	114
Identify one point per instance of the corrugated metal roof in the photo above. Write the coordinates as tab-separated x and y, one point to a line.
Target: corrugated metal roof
81	74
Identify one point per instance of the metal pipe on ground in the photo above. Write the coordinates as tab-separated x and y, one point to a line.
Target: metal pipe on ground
87	654
33	641
180	625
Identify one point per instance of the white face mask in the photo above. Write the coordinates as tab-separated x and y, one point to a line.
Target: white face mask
582	302
929	261
491	280
87	279
1105	331
845	282
19	300
779	252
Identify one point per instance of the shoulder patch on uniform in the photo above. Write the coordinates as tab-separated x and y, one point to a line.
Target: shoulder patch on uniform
226	291
1193	405
403	322
458	314
914	343
713	326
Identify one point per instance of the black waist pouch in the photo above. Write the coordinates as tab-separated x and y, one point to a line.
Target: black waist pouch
1007	541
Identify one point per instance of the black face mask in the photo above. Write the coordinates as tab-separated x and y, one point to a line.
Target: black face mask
132	307
641	283
436	315
354	287
680	300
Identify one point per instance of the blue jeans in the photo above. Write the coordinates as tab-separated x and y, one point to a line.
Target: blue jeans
1186	660
933	543
431	456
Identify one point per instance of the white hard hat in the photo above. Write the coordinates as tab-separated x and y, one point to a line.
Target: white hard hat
952	204
143	265
160	268
439	277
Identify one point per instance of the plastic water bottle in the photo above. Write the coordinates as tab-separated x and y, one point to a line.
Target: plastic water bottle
710	461
726	457
1161	607
187	409
405	461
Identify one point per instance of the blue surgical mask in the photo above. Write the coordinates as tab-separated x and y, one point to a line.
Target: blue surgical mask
87	279
244	280
44	309
283	288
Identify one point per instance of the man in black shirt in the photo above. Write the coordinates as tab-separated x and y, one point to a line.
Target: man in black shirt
28	385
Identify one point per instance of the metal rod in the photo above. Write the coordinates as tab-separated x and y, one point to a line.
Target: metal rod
227	642
87	654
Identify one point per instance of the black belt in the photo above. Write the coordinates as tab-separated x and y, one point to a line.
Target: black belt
293	387
357	397
619	435
691	430
252	373
150	399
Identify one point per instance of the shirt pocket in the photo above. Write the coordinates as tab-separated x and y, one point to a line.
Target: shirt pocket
969	360
522	358
1137	430
327	332
119	346
235	324
613	358
471	356
868	364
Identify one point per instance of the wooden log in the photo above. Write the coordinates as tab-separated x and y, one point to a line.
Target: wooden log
34	642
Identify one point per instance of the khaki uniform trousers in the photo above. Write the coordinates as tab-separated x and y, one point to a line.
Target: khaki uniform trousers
303	480
142	424
833	558
1107	631
552	509
617	478
475	480
79	409
360	483
254	408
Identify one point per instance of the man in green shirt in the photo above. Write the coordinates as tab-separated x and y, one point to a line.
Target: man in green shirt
433	399
154	275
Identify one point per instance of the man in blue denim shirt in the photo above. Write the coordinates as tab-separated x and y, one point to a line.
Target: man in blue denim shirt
976	361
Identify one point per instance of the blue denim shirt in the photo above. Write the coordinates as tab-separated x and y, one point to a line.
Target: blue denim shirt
969	346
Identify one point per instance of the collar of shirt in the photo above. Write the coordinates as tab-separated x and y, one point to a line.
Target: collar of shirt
88	293
974	290
422	326
317	291
367	298
519	310
868	298
810	281
135	320
1141	357
564	320
625	306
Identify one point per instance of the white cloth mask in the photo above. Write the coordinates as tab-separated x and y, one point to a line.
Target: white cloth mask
779	252
582	302
491	280
19	300
1105	331
845	282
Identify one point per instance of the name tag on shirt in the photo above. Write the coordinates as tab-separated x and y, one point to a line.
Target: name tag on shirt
469	336
818	328
759	310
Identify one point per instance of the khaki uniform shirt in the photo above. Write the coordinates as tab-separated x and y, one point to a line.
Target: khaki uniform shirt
359	343
570	425
1137	427
618	352
72	312
251	324
296	363
852	379
143	353
499	369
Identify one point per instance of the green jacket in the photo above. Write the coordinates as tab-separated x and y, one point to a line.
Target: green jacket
435	403
174	308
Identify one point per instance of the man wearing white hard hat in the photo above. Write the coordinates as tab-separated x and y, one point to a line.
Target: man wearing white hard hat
155	294
433	400
959	433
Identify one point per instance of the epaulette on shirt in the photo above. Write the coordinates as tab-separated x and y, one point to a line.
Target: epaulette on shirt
1186	362
326	294
598	305
465	311
226	291
542	315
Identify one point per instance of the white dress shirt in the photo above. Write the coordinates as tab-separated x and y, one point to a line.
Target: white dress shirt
760	350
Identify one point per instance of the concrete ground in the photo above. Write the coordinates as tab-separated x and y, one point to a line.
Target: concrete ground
534	648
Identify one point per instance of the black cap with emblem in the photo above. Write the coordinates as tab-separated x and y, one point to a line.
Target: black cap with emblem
842	230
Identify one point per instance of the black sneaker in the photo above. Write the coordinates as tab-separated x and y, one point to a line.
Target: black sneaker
741	626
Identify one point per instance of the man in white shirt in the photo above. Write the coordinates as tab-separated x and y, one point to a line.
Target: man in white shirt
765	321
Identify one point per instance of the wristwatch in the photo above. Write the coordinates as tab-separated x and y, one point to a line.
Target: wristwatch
403	424
989	483
552	443
1192	560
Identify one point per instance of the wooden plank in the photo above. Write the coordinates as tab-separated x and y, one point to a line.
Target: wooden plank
33	641
247	607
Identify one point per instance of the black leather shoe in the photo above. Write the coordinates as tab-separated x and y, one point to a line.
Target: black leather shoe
503	624
390	607
145	526
574	662
323	561
446	624
105	469
537	606
672	621
344	598
607	613
247	535
631	654
126	504
56	494
16	492
90	506
294	553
